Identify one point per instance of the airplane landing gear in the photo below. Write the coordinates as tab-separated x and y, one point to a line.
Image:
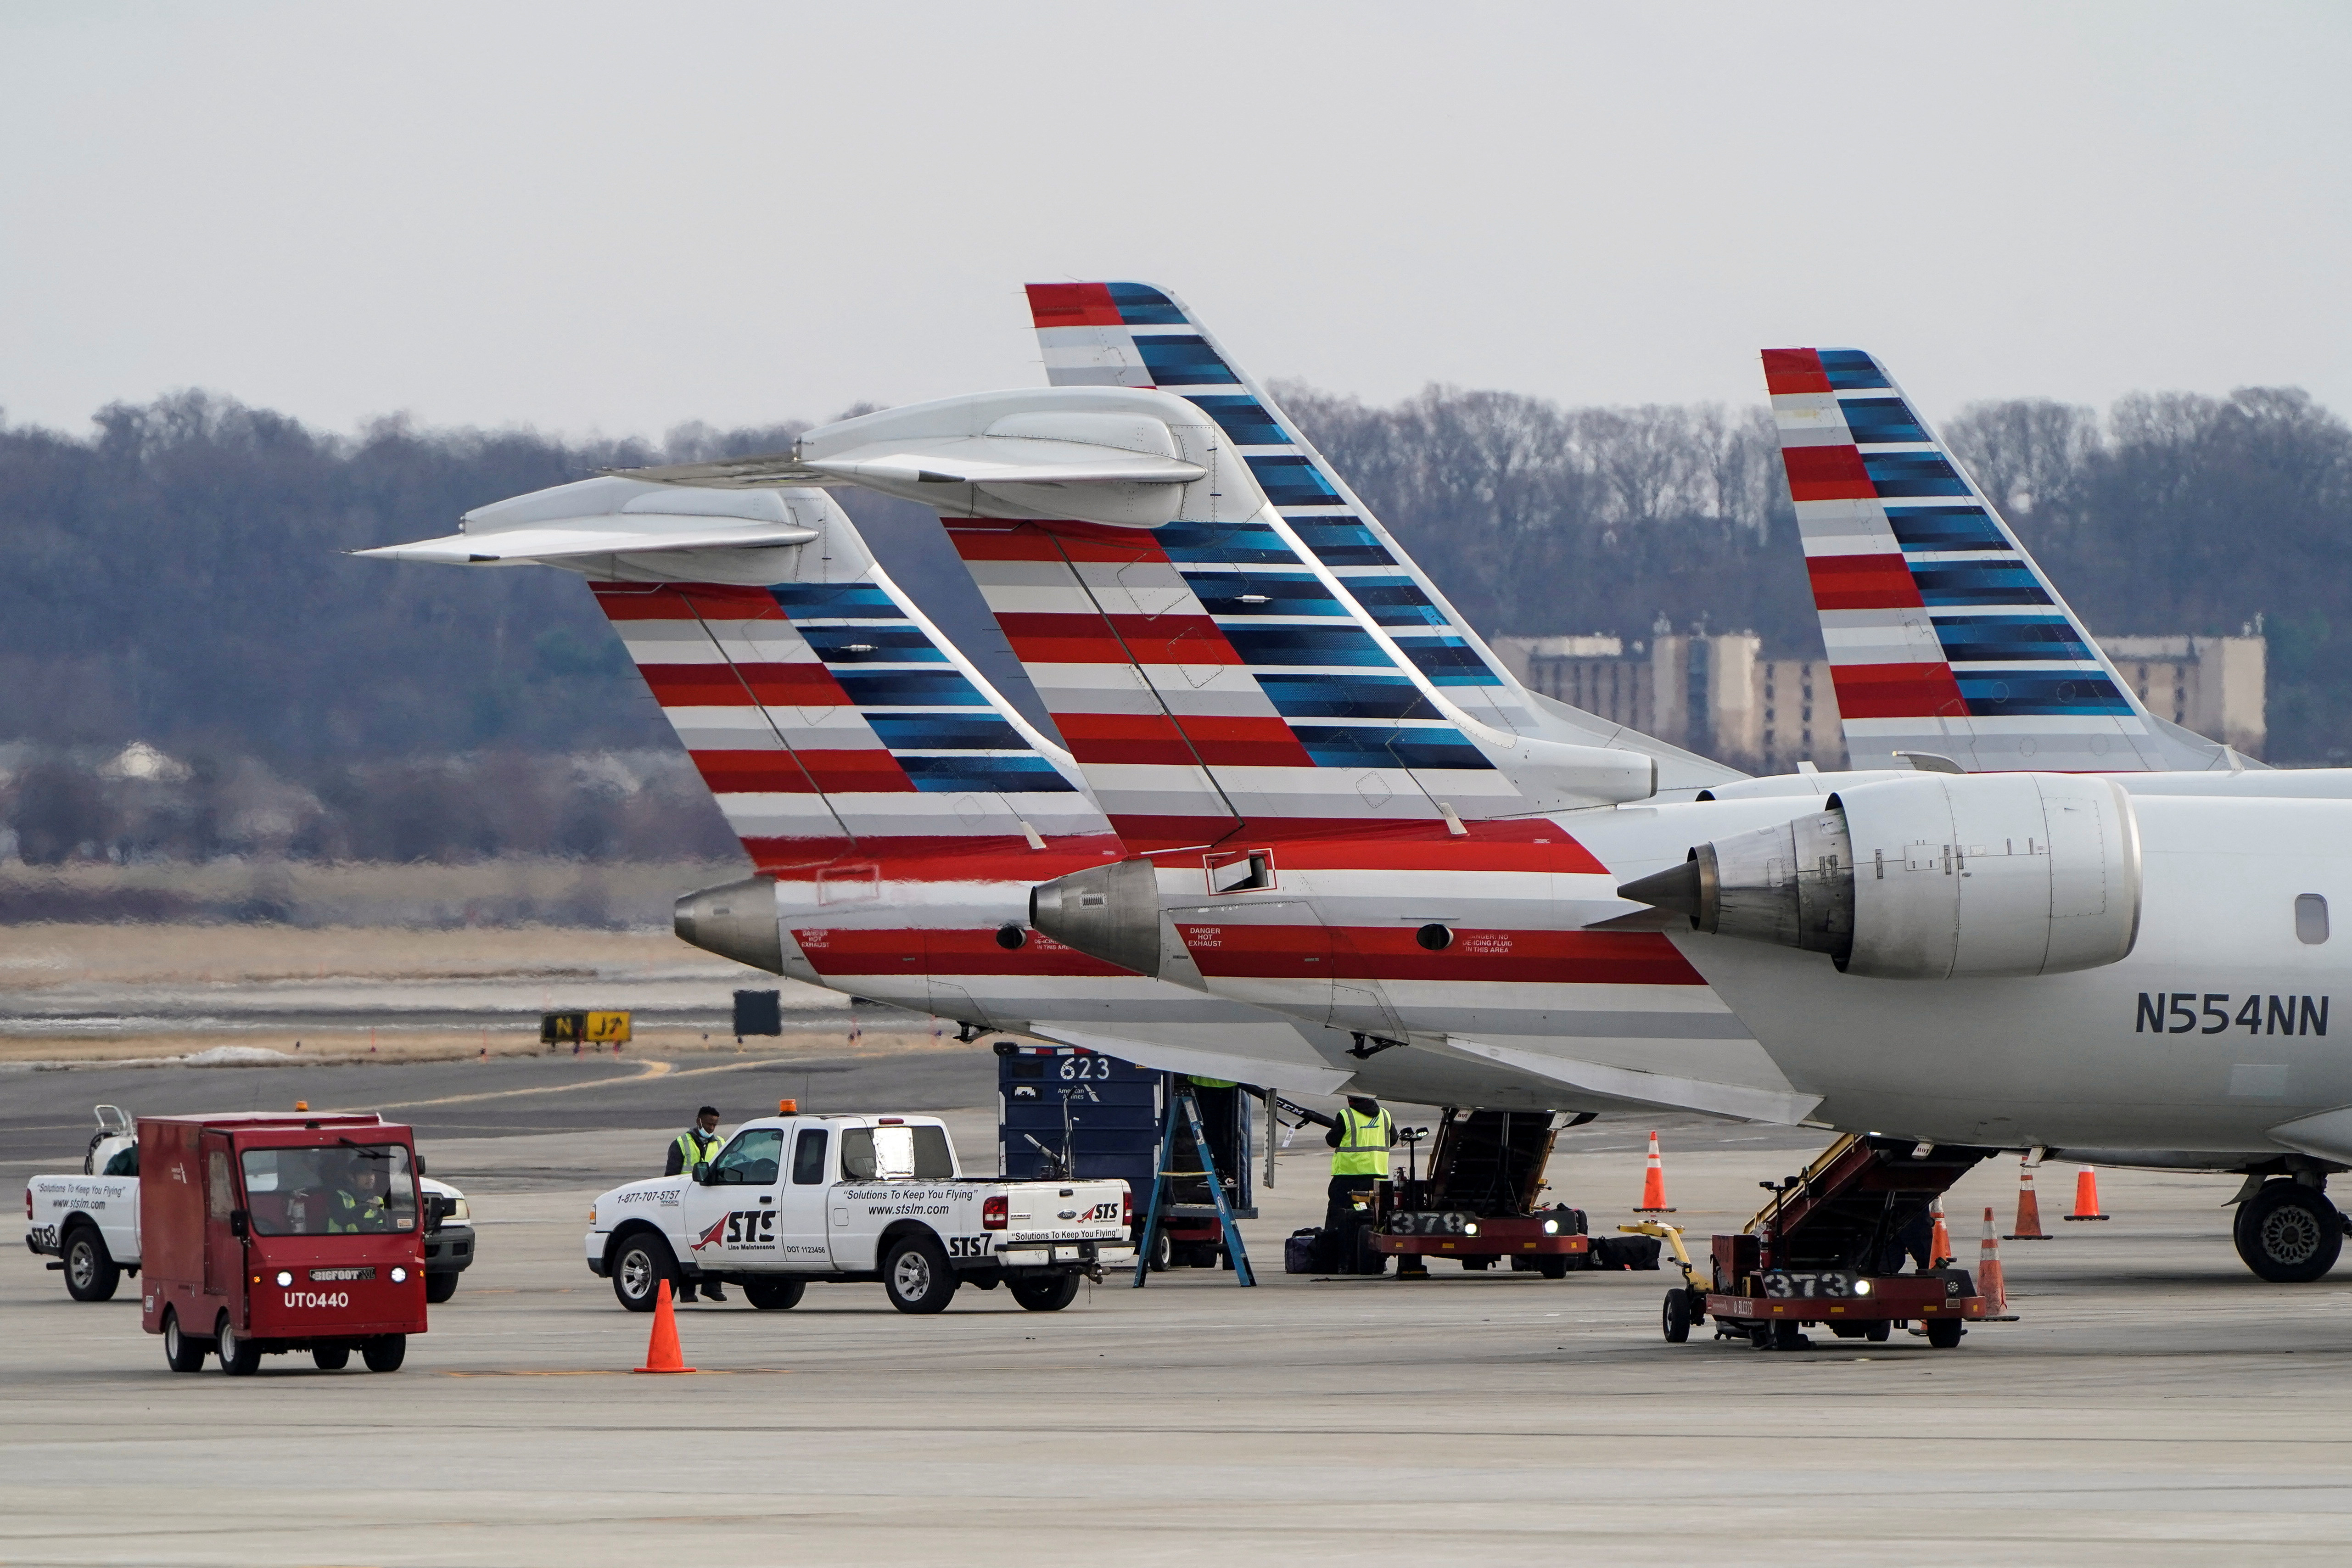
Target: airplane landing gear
2288	1233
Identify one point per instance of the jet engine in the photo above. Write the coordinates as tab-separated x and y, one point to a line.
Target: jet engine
1110	913
736	921
1932	878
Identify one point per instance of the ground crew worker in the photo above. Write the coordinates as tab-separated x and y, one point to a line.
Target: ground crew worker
1361	1141
360	1210
697	1145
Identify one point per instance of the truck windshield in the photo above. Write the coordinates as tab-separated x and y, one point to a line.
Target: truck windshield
356	1188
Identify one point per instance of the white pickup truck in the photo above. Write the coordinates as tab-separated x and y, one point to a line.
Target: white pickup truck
851	1199
90	1222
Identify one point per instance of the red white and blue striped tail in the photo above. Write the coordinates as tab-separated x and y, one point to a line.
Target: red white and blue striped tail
1333	556
1944	636
832	721
1269	663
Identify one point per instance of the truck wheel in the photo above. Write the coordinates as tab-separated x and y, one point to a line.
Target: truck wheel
2288	1233
1050	1294
774	1295
917	1276
239	1356
385	1353
1552	1264
330	1358
90	1271
181	1353
1675	1318
439	1288
1877	1331
639	1267
1944	1333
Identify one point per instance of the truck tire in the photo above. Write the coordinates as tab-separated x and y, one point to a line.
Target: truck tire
239	1356
1552	1264
330	1358
385	1352
917	1276
1675	1318
774	1295
2287	1232
1049	1294
181	1353
90	1271
439	1288
1944	1333
639	1265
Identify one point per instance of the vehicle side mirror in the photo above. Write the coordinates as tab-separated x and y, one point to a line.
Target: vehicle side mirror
239	1225
702	1173
420	1165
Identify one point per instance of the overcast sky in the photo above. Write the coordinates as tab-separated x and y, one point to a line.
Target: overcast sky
608	218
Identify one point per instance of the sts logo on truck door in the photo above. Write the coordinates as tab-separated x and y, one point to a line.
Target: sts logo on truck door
743	1228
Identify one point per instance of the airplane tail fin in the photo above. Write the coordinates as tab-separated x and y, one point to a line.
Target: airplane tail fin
829	718
1137	335
1944	636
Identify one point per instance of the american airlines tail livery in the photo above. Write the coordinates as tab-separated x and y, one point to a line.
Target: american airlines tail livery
1309	831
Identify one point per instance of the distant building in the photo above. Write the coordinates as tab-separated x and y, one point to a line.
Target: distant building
2212	685
1717	695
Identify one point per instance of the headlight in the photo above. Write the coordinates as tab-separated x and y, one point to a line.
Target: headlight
1552	1227
460	1209
1862	1287
285	1277
1470	1229
399	1276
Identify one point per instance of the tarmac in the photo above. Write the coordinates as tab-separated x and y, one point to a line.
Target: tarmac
2154	1405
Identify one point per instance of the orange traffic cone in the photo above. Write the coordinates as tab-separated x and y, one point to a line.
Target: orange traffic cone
1653	1183
662	1353
2028	1209
2086	1195
1989	1282
1939	1242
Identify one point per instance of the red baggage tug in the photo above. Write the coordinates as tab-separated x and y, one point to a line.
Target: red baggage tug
269	1232
1829	1248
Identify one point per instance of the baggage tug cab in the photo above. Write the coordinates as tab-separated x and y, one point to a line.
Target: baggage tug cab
266	1233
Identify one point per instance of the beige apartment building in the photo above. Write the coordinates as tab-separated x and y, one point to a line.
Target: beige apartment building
1719	696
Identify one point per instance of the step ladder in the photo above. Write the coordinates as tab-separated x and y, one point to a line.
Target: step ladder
1180	1102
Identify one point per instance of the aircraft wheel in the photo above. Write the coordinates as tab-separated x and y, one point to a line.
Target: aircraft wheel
2288	1233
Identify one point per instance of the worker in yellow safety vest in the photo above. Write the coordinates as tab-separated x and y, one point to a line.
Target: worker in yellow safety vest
1361	1141
697	1145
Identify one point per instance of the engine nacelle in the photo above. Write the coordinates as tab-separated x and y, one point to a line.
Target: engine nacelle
1110	913
1932	878
736	921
